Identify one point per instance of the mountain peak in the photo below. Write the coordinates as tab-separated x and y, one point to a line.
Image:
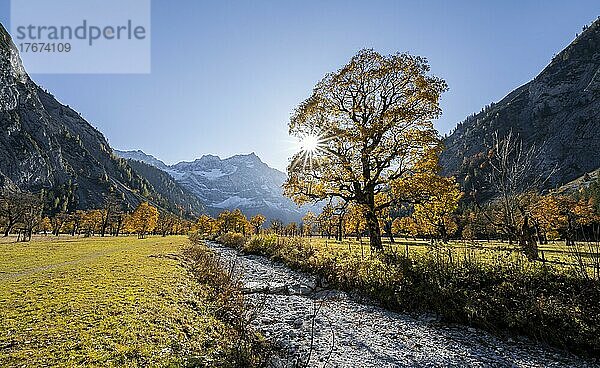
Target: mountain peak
241	181
209	157
250	157
139	155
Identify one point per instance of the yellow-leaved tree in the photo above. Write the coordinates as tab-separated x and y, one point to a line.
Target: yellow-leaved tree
232	221
207	226
144	219
363	127
308	222
550	214
435	216
355	221
434	197
405	226
257	221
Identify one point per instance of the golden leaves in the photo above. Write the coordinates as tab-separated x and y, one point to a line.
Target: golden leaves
143	219
375	113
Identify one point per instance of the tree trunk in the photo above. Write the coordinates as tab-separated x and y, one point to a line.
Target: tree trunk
388	229
374	231
103	229
444	234
9	226
527	240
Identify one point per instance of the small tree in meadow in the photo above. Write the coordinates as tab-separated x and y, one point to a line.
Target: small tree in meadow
257	221
144	219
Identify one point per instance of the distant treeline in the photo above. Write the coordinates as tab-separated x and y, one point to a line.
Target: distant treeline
27	213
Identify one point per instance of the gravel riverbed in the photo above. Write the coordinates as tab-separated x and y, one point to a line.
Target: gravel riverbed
329	328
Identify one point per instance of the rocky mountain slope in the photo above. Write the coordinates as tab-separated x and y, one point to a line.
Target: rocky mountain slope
580	183
241	181
558	111
47	145
140	156
181	200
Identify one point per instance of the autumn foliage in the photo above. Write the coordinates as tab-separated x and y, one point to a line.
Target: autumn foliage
372	123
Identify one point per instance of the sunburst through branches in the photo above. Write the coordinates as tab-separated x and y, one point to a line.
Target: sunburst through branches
308	147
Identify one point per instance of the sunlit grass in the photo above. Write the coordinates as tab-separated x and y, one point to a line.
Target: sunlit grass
553	252
103	302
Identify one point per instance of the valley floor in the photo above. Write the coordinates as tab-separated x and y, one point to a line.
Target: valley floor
101	302
104	302
343	332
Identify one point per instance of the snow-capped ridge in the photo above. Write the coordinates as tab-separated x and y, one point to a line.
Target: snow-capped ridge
241	181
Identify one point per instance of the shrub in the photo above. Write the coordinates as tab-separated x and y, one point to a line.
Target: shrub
243	348
262	244
235	240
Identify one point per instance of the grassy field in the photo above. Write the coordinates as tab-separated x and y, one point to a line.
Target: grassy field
555	252
105	302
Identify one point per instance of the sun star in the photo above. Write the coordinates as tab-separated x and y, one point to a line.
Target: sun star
309	143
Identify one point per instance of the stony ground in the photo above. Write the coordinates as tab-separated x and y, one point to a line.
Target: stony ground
316	327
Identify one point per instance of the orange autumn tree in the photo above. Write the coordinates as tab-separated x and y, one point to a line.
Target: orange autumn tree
553	213
435	216
355	221
363	127
550	213
232	221
308	222
257	221
405	226
206	226
91	221
434	197
144	219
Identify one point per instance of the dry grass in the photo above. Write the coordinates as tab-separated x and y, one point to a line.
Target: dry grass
103	302
555	252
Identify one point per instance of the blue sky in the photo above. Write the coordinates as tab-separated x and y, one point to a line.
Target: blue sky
227	74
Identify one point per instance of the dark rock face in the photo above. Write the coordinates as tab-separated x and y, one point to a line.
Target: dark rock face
558	111
46	145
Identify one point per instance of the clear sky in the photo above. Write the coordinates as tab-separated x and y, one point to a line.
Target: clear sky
227	74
